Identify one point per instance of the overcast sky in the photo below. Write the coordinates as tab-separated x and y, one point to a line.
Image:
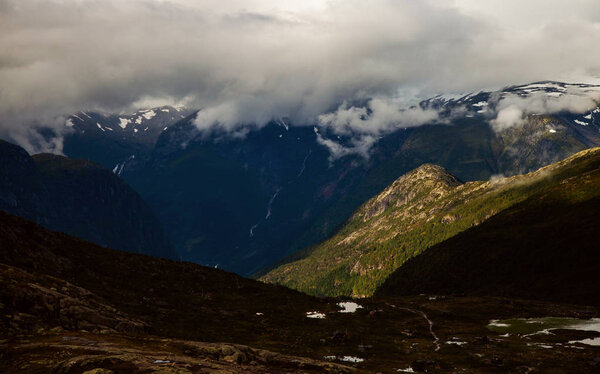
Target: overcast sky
254	60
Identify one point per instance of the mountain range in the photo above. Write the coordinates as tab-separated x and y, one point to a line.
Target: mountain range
480	276
251	200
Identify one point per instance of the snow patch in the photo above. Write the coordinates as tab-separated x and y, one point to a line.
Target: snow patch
353	359
552	131
496	323
118	169
539	86
456	343
69	123
349	307
149	115
100	127
581	123
407	370
123	122
281	122
316	315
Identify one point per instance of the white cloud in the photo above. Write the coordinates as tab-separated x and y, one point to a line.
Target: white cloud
253	60
512	110
363	125
380	115
507	117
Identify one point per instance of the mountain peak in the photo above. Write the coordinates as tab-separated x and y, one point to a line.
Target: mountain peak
422	185
431	171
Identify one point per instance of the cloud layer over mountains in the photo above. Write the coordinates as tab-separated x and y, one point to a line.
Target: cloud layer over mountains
255	60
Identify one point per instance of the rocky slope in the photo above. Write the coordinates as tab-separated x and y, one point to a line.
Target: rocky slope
80	198
419	210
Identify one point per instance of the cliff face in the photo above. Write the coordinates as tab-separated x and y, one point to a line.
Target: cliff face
79	198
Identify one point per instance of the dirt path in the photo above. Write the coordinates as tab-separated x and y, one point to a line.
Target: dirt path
436	340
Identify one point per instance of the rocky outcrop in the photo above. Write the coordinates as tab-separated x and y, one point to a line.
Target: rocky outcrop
38	303
424	185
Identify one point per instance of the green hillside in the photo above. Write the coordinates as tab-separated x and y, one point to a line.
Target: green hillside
419	210
543	248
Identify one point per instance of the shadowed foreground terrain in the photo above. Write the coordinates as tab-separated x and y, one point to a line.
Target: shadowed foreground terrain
69	306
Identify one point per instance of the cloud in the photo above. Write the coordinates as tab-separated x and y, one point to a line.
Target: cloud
510	116
254	60
380	115
363	125
512	110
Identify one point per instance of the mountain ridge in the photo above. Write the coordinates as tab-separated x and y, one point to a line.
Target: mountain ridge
81	198
363	253
544	247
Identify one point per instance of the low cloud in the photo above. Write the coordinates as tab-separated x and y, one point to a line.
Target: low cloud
380	115
510	116
512	110
363	125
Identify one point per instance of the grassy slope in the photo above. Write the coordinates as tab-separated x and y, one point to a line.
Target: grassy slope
543	248
381	243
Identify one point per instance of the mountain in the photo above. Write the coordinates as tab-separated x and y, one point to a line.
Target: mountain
258	197
80	198
419	210
545	247
236	202
69	306
111	139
